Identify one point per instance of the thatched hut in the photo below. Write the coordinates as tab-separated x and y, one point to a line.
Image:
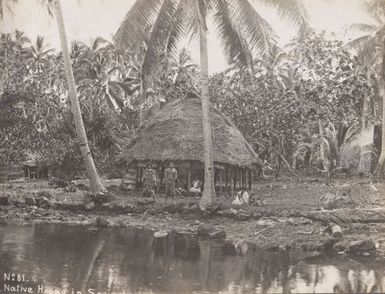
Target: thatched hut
174	134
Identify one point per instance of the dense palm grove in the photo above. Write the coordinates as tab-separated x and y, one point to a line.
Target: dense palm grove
301	104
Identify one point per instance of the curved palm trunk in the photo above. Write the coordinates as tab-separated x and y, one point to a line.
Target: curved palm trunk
379	173
209	189
95	183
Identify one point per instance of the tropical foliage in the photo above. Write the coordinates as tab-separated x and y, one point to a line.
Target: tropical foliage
371	51
283	105
301	105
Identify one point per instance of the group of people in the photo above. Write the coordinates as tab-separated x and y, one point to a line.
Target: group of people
170	179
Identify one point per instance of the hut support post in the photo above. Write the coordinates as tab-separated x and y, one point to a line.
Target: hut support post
250	179
235	172
220	182
189	177
241	178
157	179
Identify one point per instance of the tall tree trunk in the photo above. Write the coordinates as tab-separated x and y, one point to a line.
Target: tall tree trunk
95	183
363	149
141	102
209	189
379	173
324	157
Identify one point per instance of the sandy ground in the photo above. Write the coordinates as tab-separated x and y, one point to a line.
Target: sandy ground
277	224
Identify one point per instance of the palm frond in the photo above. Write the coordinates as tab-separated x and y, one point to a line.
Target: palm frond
369	51
255	29
98	42
235	47
157	40
360	27
177	29
290	10
196	18
349	136
137	21
358	42
21	38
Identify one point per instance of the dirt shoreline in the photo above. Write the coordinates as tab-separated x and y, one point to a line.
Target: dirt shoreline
271	232
279	224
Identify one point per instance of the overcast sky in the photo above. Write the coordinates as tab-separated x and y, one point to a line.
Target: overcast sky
87	19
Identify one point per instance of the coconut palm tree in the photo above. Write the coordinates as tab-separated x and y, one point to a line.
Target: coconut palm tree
371	51
95	182
240	28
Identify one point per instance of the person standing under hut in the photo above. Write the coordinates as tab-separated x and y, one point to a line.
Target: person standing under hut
149	180
170	175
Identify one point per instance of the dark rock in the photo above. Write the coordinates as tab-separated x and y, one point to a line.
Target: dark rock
139	209
102	222
213	208
152	211
362	246
339	247
243	216
145	201
44	193
101	198
328	244
230	213
194	207
204	230
256	215
70	188
72	206
4	200
218	234
42	202
171	208
82	187
30	201
3	220
273	246
113	188
90	206
122	207
129	208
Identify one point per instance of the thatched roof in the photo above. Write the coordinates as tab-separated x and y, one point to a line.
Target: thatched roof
174	133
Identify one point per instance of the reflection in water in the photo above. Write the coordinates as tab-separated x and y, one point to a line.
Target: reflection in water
66	258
